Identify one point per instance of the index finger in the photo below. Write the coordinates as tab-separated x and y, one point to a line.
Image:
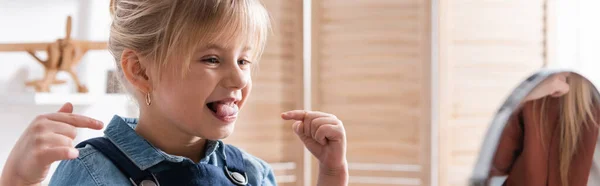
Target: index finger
75	120
294	115
303	115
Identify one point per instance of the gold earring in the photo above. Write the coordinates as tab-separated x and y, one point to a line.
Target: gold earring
148	100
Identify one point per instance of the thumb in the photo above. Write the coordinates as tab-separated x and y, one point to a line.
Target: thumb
66	108
299	130
307	140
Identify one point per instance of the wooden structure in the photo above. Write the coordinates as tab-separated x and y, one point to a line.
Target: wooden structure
486	48
370	66
409	121
63	55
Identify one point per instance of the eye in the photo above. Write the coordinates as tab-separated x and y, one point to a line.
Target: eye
211	60
244	62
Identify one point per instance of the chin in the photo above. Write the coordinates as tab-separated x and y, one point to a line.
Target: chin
217	133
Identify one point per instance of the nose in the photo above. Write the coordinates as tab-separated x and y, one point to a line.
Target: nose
236	78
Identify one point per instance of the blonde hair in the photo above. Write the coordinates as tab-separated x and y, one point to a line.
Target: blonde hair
161	30
577	112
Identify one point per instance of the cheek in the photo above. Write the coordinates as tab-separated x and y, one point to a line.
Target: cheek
194	89
184	93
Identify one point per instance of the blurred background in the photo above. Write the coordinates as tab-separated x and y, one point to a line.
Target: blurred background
416	82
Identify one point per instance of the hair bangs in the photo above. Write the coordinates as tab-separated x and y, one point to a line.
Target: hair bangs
227	23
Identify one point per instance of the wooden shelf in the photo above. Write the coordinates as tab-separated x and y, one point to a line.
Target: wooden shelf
50	99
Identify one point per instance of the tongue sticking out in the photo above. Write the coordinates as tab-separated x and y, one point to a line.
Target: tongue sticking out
225	109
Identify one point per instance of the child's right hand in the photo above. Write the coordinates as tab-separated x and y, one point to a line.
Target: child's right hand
555	86
48	138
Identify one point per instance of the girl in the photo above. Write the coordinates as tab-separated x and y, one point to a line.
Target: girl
552	139
188	65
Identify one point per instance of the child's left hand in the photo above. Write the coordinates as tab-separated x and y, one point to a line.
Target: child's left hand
324	136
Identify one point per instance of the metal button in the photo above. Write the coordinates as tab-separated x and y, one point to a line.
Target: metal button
238	177
147	183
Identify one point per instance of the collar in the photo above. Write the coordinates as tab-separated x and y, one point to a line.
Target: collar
120	131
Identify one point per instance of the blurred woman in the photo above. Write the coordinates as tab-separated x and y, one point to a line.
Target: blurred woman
552	139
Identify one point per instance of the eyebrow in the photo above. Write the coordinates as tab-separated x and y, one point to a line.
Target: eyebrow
221	48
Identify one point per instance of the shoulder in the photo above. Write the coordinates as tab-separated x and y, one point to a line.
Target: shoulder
257	168
90	168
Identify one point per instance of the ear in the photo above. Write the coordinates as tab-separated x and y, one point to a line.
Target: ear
136	70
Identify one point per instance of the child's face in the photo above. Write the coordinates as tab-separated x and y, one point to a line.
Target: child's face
205	103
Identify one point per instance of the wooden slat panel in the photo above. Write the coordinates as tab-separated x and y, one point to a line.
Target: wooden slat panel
277	87
385	174
371	69
413	175
383	181
486	49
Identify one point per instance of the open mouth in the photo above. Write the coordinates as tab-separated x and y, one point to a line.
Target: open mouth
224	110
211	106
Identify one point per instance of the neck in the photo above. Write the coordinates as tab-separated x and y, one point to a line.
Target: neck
169	138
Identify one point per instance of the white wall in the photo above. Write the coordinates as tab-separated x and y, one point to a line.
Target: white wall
589	38
577	36
44	21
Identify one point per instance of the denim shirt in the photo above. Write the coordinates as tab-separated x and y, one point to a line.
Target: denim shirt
93	168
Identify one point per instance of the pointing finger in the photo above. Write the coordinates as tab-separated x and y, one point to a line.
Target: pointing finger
66	108
75	120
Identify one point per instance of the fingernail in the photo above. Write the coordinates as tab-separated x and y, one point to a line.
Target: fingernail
73	153
99	123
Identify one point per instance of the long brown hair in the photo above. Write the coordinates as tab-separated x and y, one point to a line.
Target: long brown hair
578	112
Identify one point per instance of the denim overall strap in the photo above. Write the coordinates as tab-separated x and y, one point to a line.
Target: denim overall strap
234	165
232	173
109	150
